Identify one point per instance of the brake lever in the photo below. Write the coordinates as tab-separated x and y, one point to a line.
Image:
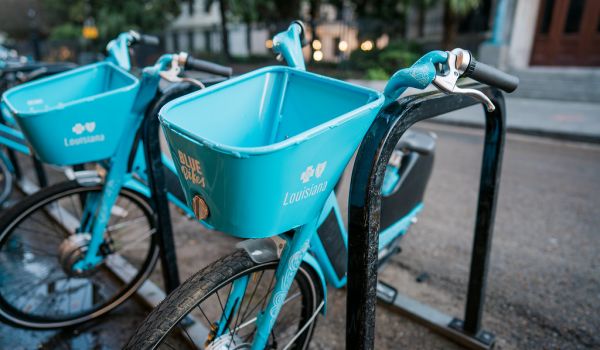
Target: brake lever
457	63
172	74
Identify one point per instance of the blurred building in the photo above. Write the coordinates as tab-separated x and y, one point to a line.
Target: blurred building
197	29
553	45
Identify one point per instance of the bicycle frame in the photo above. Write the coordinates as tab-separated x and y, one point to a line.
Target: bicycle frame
120	174
307	238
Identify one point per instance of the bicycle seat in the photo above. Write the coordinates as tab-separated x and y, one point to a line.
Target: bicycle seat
418	141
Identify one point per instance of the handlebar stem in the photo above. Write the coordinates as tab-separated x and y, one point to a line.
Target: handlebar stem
289	45
118	50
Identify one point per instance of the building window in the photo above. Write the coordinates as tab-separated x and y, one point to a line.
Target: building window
175	41
207	41
574	16
191	41
547	17
336	46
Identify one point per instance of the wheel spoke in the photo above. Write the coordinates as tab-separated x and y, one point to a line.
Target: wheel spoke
45	291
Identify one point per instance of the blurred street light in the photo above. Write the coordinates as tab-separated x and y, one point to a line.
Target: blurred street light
318	55
343	46
366	45
269	44
316	45
90	31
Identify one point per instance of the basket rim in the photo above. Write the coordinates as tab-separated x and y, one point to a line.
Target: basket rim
299	138
28	114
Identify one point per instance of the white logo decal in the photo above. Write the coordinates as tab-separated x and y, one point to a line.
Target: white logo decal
320	169
310	189
90	126
34	102
78	128
307	174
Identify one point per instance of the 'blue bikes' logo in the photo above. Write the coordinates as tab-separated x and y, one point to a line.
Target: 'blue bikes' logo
191	170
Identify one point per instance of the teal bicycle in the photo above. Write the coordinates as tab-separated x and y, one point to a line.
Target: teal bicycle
271	180
60	248
14	72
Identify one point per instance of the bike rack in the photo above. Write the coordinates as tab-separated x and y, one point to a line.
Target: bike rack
364	220
158	194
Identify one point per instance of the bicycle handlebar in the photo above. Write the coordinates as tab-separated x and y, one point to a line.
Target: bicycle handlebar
196	64
139	38
490	75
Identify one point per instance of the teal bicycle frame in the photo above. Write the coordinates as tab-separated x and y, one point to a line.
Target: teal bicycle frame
121	169
120	173
306	245
13	139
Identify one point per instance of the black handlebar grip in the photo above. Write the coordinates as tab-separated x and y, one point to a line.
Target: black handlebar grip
208	67
491	76
149	40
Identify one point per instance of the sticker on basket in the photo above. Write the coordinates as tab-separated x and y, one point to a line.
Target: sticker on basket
35	101
190	167
80	129
305	178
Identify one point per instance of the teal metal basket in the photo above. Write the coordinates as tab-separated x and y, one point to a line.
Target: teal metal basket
77	116
264	150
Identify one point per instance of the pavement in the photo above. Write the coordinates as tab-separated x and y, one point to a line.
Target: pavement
544	281
574	121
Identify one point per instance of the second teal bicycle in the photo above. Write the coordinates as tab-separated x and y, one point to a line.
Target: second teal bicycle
57	246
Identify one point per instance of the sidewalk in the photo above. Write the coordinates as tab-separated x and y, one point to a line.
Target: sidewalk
575	121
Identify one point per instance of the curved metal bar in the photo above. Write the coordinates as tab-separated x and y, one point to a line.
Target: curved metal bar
365	205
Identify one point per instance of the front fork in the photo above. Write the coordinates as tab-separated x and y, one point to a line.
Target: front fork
290	261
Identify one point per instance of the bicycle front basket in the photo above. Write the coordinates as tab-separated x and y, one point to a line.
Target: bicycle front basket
264	150
75	117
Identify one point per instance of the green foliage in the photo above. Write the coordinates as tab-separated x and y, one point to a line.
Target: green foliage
463	7
111	16
378	63
377	74
66	31
376	17
253	11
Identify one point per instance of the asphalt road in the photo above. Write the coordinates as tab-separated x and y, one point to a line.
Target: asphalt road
544	280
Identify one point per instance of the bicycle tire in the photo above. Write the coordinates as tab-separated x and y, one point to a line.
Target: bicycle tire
29	205
201	285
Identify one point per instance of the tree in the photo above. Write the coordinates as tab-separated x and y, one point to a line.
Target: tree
422	7
111	16
377	17
250	12
454	11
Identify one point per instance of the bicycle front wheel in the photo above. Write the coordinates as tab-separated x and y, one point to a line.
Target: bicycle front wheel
40	241
191	316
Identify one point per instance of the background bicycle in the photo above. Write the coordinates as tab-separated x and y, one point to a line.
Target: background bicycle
67	237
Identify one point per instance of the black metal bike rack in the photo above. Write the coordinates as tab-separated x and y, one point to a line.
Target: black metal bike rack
158	194
157	183
364	220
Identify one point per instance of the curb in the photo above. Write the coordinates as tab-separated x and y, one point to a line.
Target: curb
557	135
